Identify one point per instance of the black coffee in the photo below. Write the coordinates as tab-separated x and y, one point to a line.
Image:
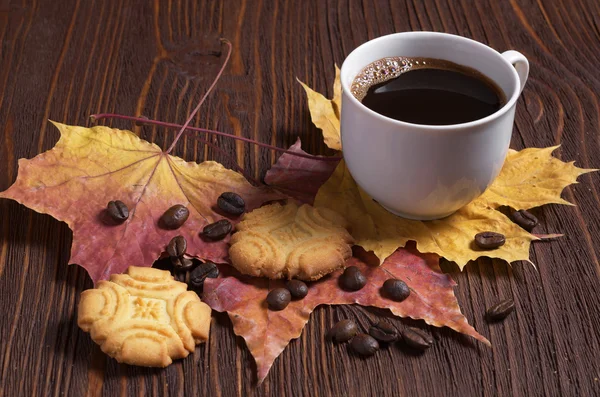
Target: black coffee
427	91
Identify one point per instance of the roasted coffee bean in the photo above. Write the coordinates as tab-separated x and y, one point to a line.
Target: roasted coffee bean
297	288
181	264
364	344
217	230
395	289
342	331
118	211
352	279
383	331
500	310
489	240
177	246
202	272
278	299
231	203
175	216
417	338
525	219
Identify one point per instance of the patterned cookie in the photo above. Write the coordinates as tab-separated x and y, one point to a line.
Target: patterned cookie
287	241
144	317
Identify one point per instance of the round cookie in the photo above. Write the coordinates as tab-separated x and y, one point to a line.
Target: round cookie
287	241
144	317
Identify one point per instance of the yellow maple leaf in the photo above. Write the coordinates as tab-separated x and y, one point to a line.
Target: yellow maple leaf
377	230
88	167
529	178
325	113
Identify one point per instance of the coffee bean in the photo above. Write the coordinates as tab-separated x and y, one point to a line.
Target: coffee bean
364	344
231	203
395	289
177	246
500	310
118	211
417	338
202	272
181	264
175	216
489	240
525	219
352	279
383	331
278	299
342	331
298	289
217	230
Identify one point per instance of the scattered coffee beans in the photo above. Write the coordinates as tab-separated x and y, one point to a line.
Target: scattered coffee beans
342	331
395	289
177	246
118	211
364	344
181	264
352	279
278	299
489	240
525	219
417	338
298	289
231	203
175	216
384	331
217	230
201	273
500	311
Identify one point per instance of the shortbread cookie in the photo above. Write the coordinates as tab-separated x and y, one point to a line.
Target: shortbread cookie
287	241
144	317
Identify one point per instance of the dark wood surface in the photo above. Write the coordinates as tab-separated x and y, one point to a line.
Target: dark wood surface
63	60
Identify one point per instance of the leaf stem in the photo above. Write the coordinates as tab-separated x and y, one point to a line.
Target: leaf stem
230	158
144	120
193	114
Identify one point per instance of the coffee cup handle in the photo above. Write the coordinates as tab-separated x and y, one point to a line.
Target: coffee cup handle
520	63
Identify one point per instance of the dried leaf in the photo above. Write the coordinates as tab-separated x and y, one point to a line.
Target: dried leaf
325	113
268	332
88	167
377	230
299	177
530	178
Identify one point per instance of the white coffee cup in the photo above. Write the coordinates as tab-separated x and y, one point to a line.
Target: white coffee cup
428	171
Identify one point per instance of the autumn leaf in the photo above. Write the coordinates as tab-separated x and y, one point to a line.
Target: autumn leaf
88	167
325	113
299	177
377	230
529	178
267	332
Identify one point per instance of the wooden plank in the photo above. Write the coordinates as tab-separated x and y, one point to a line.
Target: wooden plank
64	60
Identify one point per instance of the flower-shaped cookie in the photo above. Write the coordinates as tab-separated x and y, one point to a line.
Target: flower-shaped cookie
144	317
287	241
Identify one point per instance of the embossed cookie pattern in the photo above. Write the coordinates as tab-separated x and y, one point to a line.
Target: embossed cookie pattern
144	317
287	241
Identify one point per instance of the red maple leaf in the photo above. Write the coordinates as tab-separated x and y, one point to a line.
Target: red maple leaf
268	332
88	167
299	177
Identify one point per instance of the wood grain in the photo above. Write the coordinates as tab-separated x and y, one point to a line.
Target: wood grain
63	60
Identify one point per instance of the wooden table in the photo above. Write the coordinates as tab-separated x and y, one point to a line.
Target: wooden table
64	60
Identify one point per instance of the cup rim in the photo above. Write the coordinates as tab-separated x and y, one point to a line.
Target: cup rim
507	106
